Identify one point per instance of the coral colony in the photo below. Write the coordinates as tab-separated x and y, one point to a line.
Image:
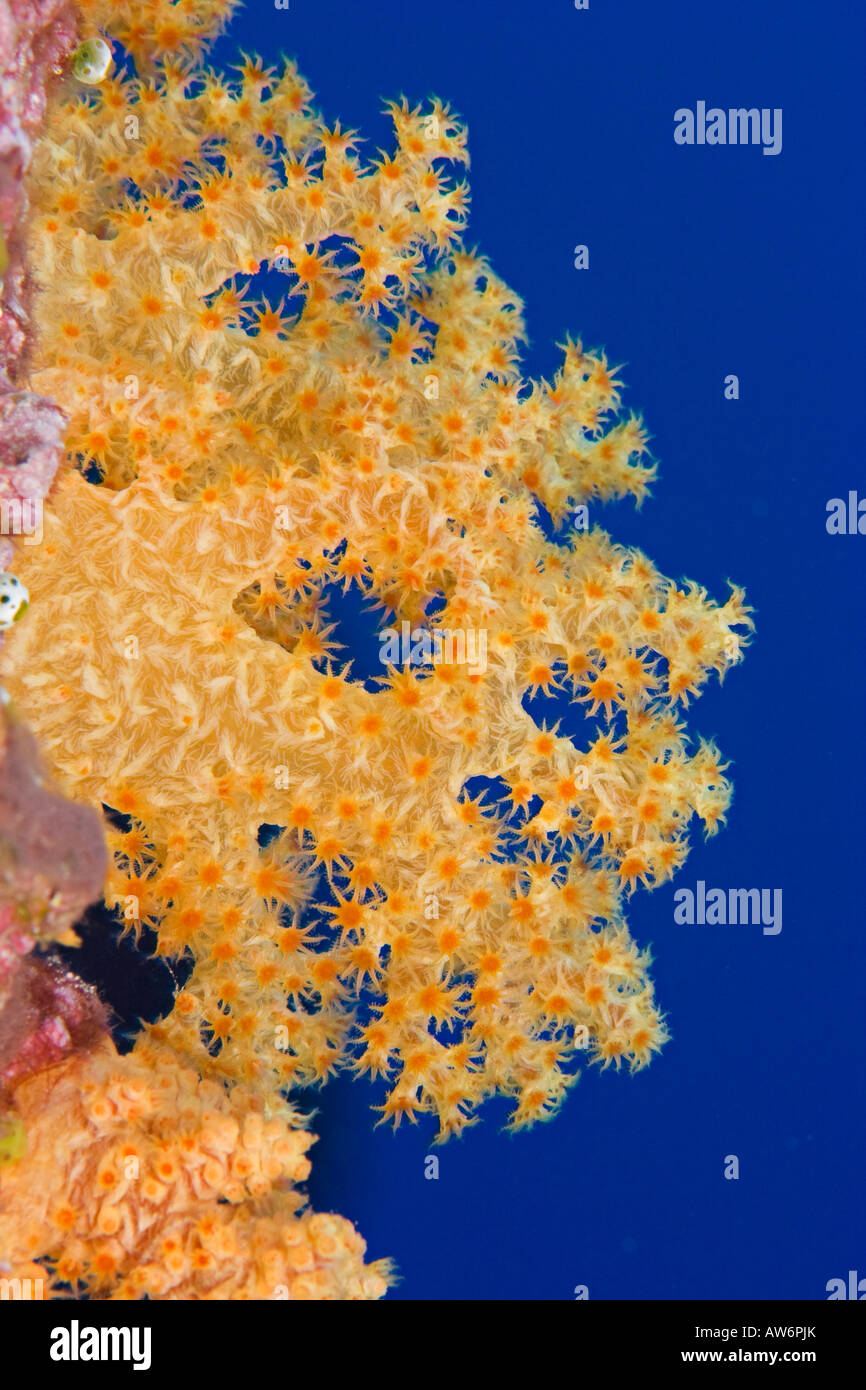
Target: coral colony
438	900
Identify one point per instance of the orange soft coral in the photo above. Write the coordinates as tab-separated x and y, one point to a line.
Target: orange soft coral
178	659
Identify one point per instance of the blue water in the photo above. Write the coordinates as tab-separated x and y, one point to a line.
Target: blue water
703	262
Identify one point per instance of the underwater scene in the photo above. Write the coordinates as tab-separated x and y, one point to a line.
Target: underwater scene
431	650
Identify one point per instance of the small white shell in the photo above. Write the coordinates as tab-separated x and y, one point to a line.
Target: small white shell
91	61
14	598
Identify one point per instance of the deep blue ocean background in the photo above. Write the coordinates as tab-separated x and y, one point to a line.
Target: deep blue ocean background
703	262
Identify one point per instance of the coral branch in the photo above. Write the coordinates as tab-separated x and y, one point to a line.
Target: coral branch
371	429
413	877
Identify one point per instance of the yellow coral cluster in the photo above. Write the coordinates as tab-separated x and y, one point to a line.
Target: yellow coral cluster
369	427
142	1180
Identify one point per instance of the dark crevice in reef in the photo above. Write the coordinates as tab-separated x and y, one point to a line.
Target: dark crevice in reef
135	985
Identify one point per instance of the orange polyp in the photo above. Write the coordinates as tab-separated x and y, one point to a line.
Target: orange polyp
633	867
603	689
490	964
449	868
210	874
449	940
348	915
382	831
190	921
324	970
